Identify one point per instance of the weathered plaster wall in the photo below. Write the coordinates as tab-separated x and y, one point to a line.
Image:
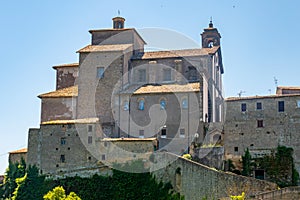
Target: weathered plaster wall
65	77
58	109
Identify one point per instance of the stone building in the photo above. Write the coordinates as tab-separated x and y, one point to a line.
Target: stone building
261	123
16	156
118	90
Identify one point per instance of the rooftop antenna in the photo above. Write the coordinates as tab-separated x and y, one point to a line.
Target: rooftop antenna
210	23
118	12
275	81
241	92
269	90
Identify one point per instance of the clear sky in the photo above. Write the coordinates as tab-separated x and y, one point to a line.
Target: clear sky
260	41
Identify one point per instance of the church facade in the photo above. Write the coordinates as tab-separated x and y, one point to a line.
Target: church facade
118	90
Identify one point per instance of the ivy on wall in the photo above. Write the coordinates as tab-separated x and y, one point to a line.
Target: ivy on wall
121	185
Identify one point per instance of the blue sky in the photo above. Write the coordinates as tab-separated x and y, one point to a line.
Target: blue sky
259	42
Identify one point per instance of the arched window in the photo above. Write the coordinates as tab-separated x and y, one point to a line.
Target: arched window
163	104
141	104
184	104
126	105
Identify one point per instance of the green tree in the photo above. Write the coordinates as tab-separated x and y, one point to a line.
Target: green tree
58	193
246	160
31	181
14	171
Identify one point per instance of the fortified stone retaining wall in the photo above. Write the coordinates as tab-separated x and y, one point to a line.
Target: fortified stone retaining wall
196	181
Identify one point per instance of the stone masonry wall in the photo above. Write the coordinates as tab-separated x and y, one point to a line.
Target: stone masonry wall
196	181
241	129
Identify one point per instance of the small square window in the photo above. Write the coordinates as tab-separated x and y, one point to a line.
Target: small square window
258	106
126	105
100	72
260	123
243	107
142	75
182	133
236	149
185	104
63	141
141	105
90	128
280	106
141	134
62	158
164	133
90	139
163	104
103	157
167	75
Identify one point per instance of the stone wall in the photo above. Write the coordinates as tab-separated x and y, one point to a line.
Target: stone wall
62	147
242	131
196	181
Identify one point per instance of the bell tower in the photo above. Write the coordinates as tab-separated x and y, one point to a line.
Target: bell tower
210	36
118	22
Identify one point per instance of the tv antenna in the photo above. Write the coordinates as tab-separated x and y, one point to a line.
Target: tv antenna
275	81
119	12
241	92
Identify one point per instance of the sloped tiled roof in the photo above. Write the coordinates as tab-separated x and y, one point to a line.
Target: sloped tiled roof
104	48
170	88
128	139
72	121
24	150
289	87
65	92
176	53
66	65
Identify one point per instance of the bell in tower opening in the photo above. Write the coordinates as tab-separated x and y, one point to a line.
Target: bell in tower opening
210	36
118	22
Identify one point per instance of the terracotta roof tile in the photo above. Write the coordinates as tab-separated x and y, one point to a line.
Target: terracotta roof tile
170	88
289	87
65	92
72	121
176	53
104	48
128	139
66	65
24	150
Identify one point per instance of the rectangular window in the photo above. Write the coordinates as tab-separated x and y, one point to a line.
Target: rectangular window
164	133
63	141
236	149
100	72
141	134
167	75
258	106
103	157
260	123
280	106
62	158
182	133
90	128
142	75
298	104
90	139
243	107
